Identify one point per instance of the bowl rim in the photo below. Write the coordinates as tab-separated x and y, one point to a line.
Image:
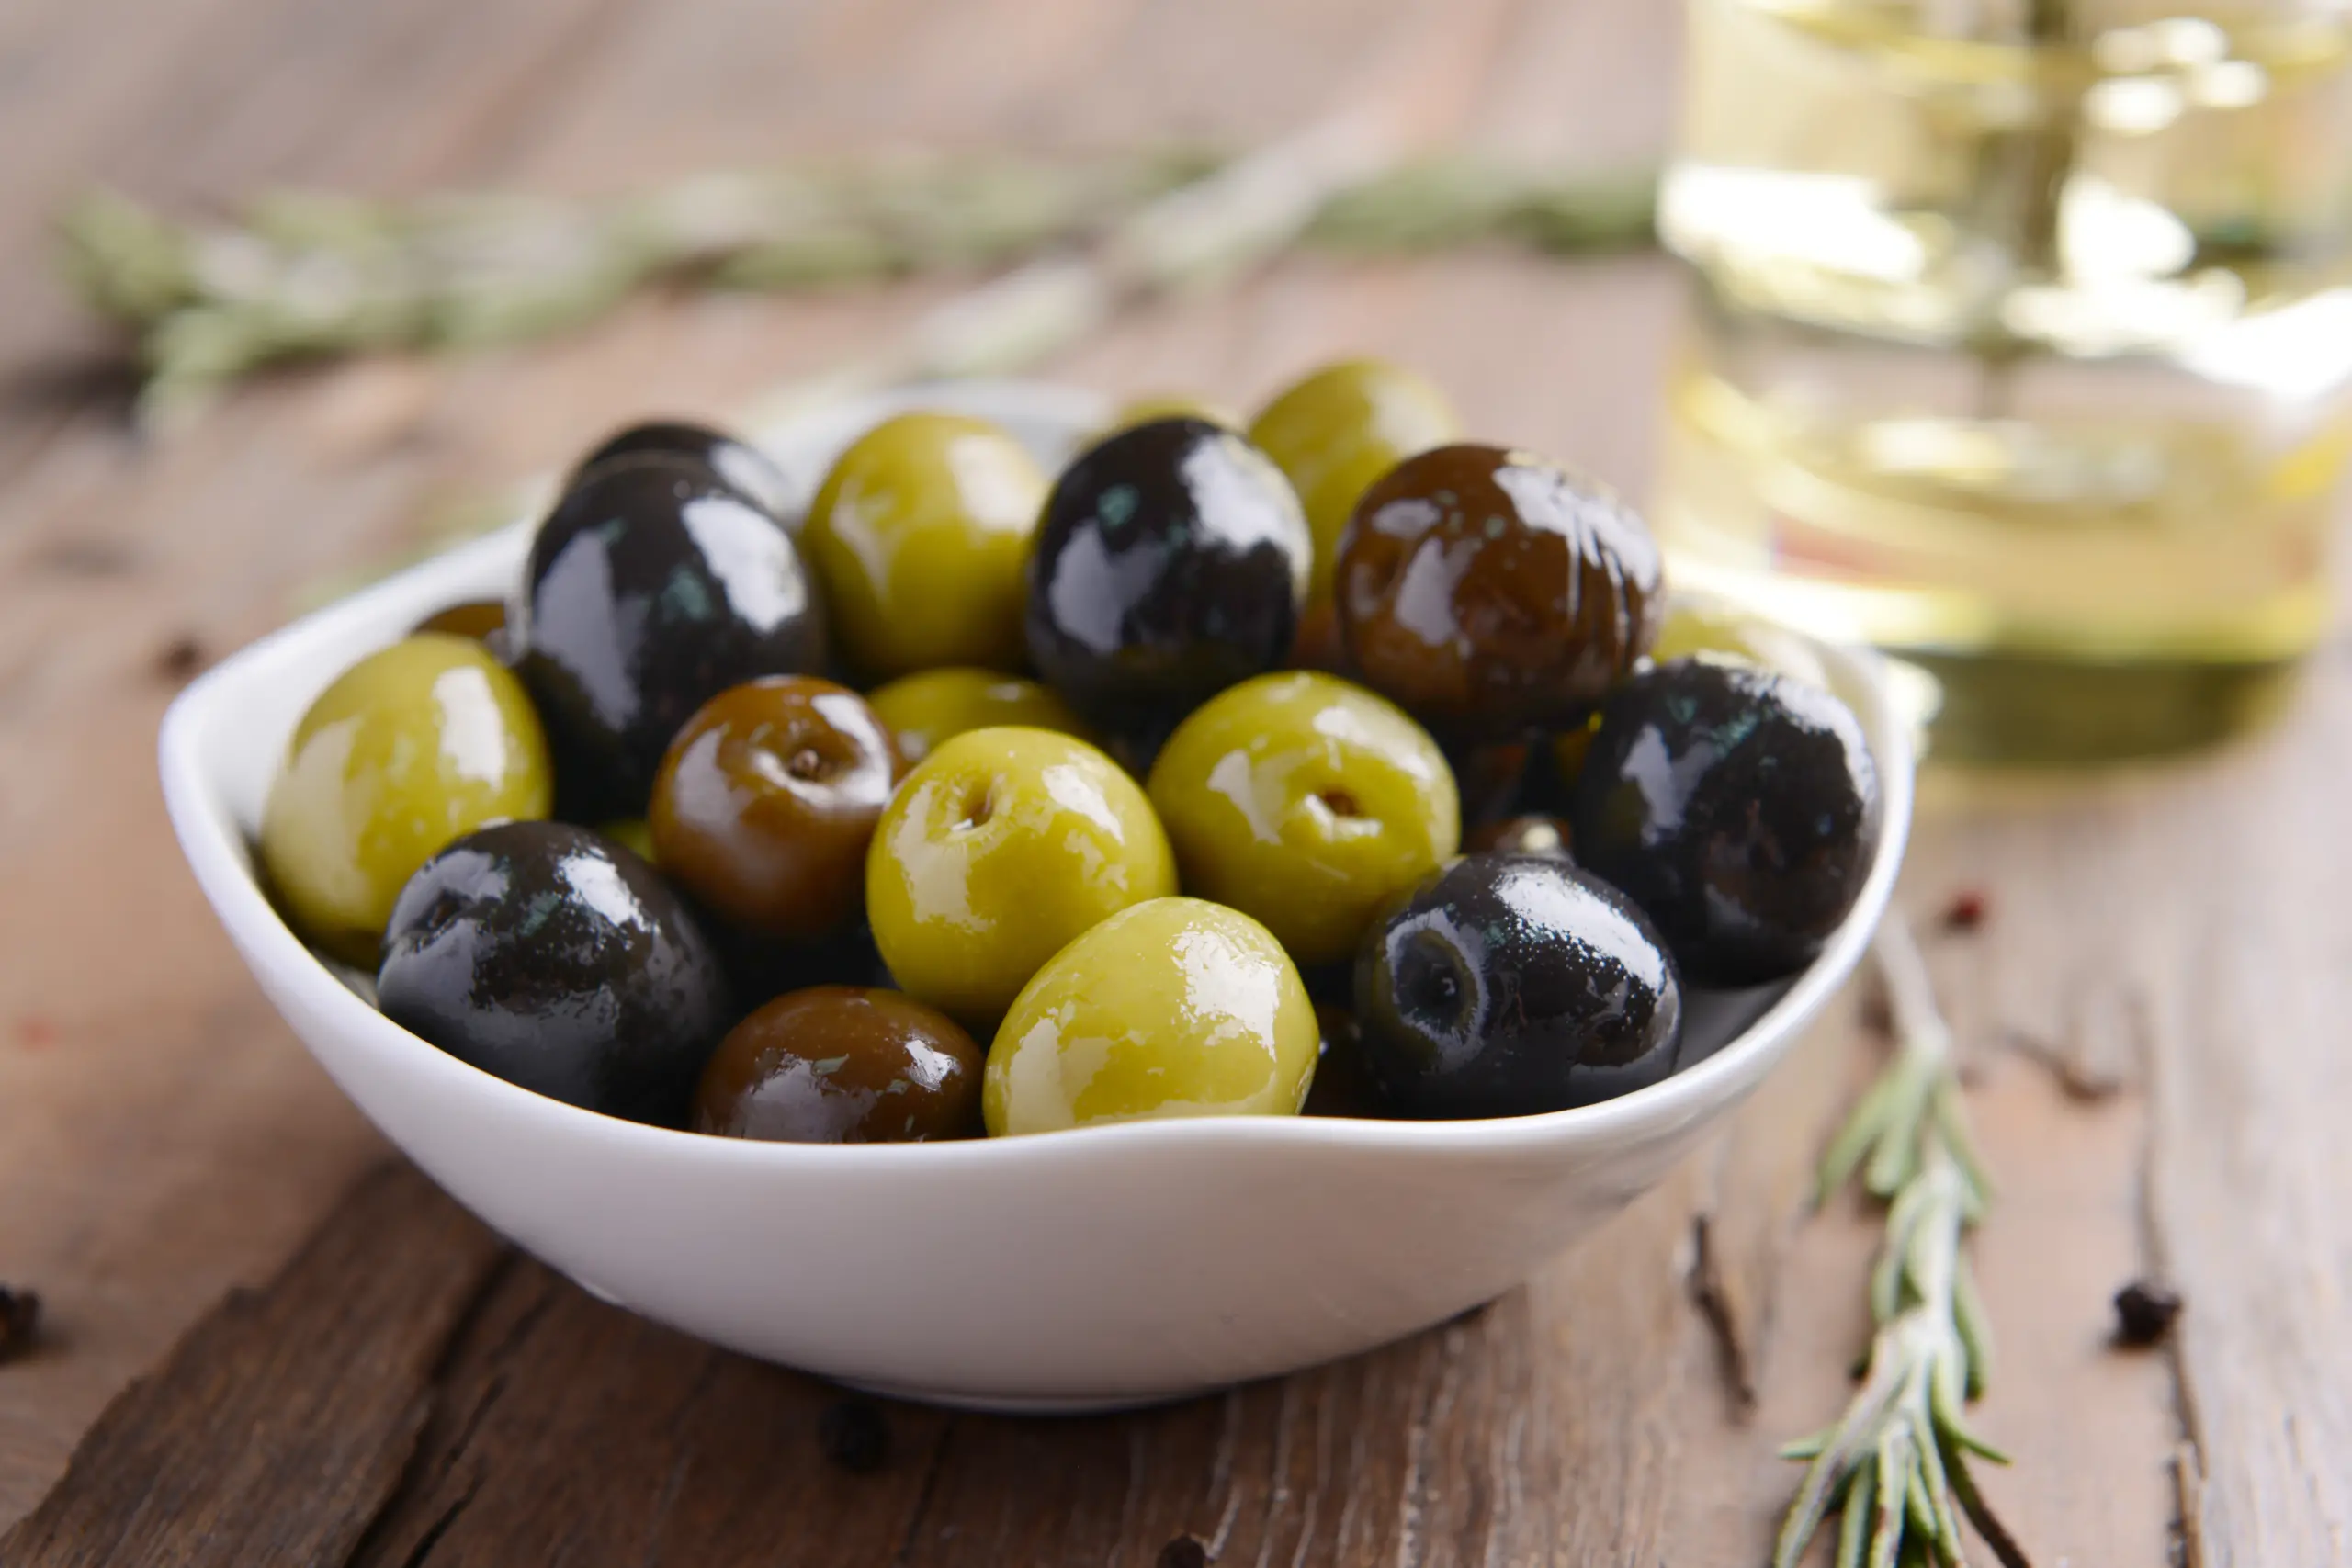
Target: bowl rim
203	822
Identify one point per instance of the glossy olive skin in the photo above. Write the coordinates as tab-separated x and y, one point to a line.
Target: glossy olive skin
1001	847
742	467
918	534
1738	808
934	706
651	589
407	749
484	620
1491	592
766	799
1307	803
1173	1007
843	1064
551	957
1513	985
1335	432
1531	835
1170	563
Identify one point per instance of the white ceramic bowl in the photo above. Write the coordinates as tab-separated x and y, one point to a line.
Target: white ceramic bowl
1098	1268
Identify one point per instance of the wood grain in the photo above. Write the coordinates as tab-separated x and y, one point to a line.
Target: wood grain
2176	937
279	1425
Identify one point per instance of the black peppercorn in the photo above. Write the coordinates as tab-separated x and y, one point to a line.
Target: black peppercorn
1186	1551
19	1321
854	1434
2144	1311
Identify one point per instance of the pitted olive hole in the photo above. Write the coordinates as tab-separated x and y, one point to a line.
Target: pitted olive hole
1431	990
1341	802
1430	986
440	915
980	804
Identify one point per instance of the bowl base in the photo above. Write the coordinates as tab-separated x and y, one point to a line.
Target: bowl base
1017	1405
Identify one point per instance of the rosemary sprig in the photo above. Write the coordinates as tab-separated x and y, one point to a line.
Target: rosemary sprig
1894	1465
307	275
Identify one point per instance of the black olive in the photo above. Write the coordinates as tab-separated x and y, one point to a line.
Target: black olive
557	960
1737	807
1170	562
1510	985
746	470
651	588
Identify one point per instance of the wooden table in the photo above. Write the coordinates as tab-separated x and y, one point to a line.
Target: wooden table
271	1345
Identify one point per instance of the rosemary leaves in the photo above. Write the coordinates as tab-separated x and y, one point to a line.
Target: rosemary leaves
1894	1466
310	276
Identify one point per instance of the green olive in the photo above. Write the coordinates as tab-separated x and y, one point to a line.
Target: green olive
631	834
1173	1007
410	747
924	709
1150	406
998	849
1714	628
1342	427
1307	803
918	534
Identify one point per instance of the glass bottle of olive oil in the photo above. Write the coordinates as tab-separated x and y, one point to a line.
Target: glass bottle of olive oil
2021	346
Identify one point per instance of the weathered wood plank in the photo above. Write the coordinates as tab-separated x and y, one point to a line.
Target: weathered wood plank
2247	1163
282	1422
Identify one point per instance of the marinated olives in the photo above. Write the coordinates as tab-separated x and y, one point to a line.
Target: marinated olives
1490	592
551	957
1173	1007
1003	846
843	1064
766	800
651	588
1339	429
924	709
951	858
918	535
744	468
1305	803
1738	808
408	748
1510	985
1170	563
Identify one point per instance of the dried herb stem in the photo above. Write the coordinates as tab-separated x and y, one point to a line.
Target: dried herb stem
1894	1465
309	275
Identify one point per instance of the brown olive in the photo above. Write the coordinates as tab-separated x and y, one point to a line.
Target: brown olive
1545	836
765	801
1490	592
841	1065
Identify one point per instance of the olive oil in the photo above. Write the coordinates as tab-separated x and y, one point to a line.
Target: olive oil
2020	345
